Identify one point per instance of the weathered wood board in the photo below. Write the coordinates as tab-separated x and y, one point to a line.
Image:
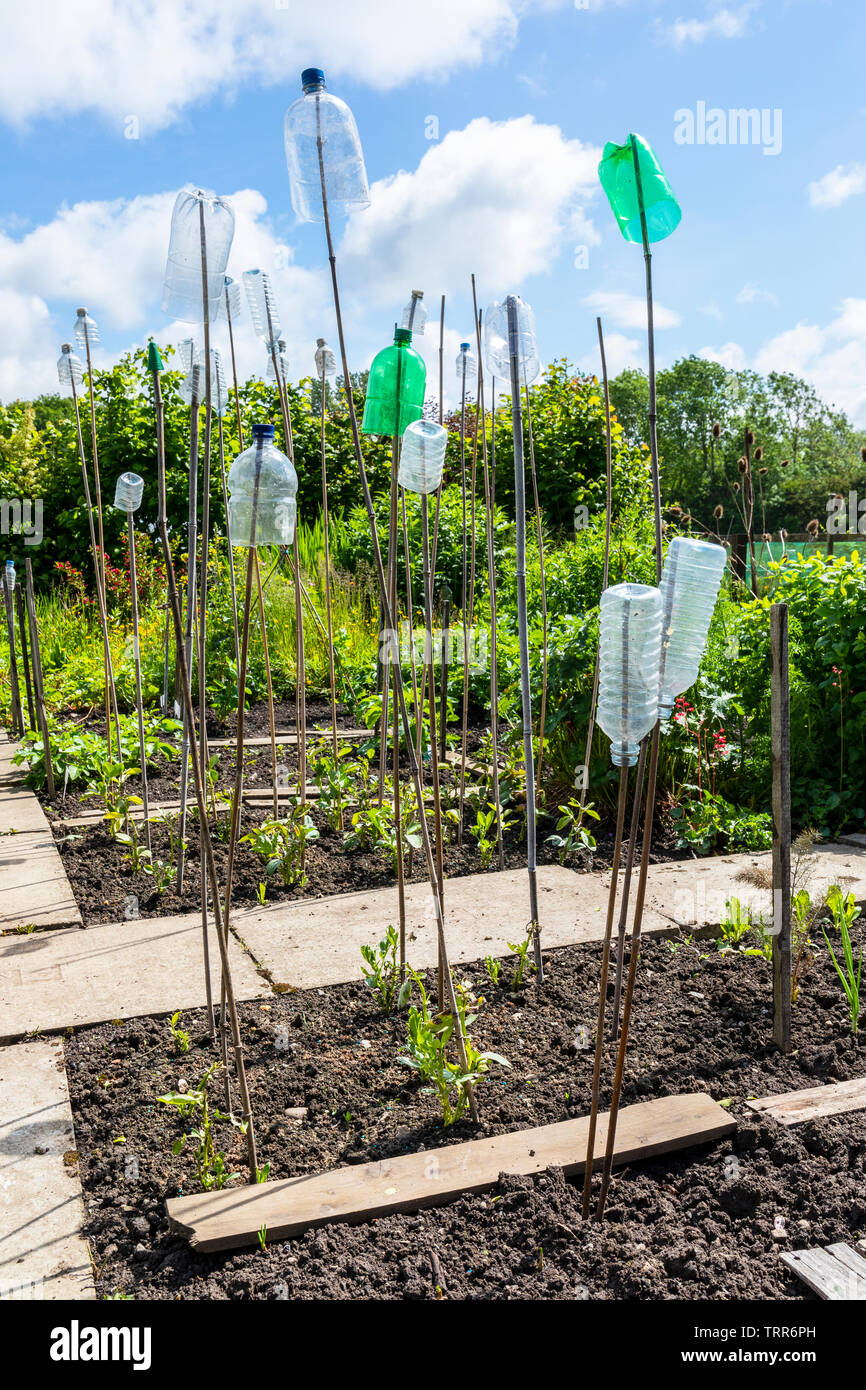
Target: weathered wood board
796	1107
837	1273
233	1217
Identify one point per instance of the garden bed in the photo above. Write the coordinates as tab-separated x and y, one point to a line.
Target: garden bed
704	1224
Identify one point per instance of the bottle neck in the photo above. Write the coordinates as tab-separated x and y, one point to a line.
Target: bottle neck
310	88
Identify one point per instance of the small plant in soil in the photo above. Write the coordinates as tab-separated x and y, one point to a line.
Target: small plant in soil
180	1038
428	1037
494	969
845	913
335	782
210	1164
520	951
282	843
571	835
483	833
162	873
382	972
740	927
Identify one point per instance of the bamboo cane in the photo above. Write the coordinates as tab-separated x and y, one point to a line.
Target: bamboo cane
136	654
464	596
523	632
328	615
188	734
14	685
394	651
383	593
602	992
207	843
626	888
38	684
540	541
430	678
22	634
97	487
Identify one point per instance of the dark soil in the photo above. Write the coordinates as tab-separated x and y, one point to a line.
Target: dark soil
707	1223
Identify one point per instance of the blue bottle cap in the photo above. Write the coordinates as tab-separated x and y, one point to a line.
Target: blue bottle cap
263	431
312	78
464	347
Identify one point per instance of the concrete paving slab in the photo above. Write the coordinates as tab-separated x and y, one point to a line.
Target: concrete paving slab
315	943
34	888
43	1254
58	979
694	892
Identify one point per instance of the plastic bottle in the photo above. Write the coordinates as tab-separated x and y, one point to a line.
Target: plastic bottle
10	575
422	456
263	306
219	391
85	330
128	492
319	114
495	341
282	361
467	373
182	289
689	588
325	361
192	386
617	174
395	388
69	368
262	478
415	312
233	296
629	653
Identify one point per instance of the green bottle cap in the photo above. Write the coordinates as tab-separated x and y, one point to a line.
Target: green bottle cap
618	179
154	361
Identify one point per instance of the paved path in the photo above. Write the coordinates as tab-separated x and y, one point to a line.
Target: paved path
42	1252
34	888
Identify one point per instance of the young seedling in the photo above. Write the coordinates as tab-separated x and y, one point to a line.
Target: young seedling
521	957
180	1038
428	1036
845	912
570	835
493	968
382	972
210	1165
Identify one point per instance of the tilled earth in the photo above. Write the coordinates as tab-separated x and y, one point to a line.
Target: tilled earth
707	1223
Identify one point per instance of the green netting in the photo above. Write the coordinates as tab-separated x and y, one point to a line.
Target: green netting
617	174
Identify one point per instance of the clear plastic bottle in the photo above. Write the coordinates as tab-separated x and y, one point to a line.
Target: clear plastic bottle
467	373
689	588
262	481
69	368
128	492
182	289
422	456
395	388
415	312
192	386
233	299
219	390
263	306
317	114
495	341
629	653
85	330
282	362
10	575
325	361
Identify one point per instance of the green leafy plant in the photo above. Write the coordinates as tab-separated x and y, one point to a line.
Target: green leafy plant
179	1037
282	843
571	835
520	951
428	1037
381	972
740	927
484	834
845	913
493	968
210	1164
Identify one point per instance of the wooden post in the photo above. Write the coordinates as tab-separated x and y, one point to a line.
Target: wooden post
38	683
781	755
445	659
14	688
22	634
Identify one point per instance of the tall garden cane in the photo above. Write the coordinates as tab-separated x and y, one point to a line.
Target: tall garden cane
127	498
14	685
86	335
511	346
467	368
39	687
155	366
646	211
326	366
309	123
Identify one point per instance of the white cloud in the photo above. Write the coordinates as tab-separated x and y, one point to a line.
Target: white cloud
620	352
730	355
725	23
754	294
835	188
154	58
629	310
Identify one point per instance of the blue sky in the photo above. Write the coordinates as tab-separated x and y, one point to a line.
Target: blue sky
764	271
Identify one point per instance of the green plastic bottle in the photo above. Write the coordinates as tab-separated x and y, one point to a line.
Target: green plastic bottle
395	390
617	174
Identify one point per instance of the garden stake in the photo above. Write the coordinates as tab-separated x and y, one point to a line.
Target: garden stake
522	627
383	592
410	624
14	687
464	620
446	653
270	687
22	634
626	888
188	734
540	539
491	584
430	679
584	781
83	325
97	565
154	363
780	699
602	991
36	657
231	555
136	653
325	524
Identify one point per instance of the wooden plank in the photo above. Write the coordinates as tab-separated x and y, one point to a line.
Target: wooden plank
796	1107
780	701
233	1217
847	1256
826	1275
